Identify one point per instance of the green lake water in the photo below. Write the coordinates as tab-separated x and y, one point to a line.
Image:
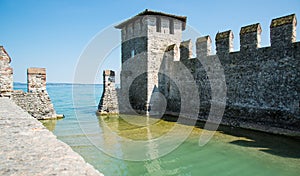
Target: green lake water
231	151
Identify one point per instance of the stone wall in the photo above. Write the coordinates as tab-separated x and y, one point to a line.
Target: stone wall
36	100
36	80
134	63
259	87
28	148
37	104
6	74
109	101
144	39
262	83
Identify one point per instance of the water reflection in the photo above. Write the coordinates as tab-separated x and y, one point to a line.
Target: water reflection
49	124
113	126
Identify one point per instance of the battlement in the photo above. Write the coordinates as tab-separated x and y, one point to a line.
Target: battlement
186	50
283	31
250	37
282	35
151	22
36	80
108	73
6	74
4	55
36	100
262	85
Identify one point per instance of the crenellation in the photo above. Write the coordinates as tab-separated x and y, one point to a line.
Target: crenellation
283	31
165	25
172	53
262	83
186	50
36	101
203	46
250	37
36	80
224	42
6	74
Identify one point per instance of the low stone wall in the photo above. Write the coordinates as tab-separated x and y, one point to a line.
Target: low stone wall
37	104
28	148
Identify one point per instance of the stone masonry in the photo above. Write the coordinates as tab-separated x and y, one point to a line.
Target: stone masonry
36	100
6	74
143	47
109	101
36	80
262	83
28	148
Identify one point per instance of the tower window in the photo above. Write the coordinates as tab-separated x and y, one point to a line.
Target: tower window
158	24
132	53
171	26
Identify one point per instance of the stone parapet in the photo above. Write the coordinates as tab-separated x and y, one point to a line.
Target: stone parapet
36	100
28	148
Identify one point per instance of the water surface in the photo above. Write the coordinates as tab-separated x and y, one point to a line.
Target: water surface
231	151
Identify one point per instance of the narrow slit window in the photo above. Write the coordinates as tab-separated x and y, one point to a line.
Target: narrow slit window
171	25
132	53
158	24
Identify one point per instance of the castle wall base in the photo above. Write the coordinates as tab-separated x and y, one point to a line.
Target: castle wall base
36	104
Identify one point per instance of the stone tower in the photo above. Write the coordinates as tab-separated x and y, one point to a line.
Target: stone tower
109	101
145	38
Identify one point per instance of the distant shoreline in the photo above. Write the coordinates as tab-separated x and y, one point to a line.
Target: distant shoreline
21	83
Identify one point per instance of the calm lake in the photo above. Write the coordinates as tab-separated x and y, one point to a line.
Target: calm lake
231	151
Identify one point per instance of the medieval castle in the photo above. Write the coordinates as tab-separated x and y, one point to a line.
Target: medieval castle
259	87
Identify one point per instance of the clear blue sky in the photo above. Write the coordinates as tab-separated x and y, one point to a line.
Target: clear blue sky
54	33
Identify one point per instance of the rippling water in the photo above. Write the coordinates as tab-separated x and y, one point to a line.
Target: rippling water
231	151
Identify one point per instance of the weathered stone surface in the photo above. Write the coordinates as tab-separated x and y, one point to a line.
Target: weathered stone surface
6	74
262	83
36	101
28	148
145	38
36	80
37	104
109	101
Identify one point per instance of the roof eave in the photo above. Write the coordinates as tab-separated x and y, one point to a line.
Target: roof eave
149	12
